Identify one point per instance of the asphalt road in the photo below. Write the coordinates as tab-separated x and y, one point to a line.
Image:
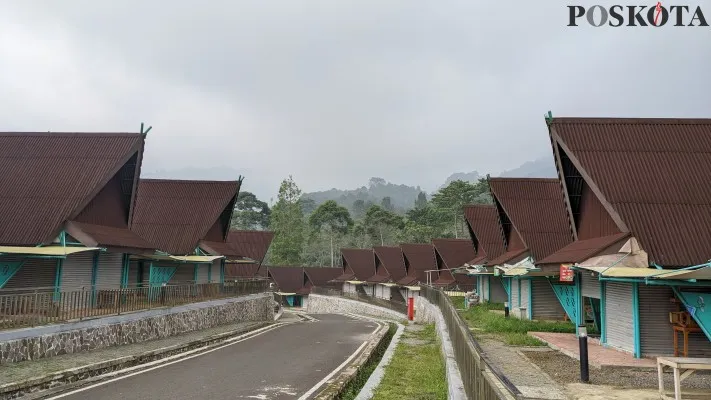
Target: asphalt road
281	364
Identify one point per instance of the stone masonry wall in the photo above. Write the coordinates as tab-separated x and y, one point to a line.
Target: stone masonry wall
36	343
319	304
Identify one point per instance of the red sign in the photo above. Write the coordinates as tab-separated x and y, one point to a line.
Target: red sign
566	273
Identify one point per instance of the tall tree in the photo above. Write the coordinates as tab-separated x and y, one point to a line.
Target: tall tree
421	201
250	213
424	224
331	220
451	199
287	223
382	225
359	208
387	203
308	205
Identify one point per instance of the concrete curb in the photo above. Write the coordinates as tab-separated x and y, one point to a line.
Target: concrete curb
79	376
368	390
335	385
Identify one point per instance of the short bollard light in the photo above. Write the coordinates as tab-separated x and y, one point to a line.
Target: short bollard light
584	366
506	309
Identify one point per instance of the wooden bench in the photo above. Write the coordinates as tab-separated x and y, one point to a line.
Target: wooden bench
683	367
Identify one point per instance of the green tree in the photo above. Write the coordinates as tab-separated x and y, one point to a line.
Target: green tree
307	205
250	213
332	221
387	203
424	224
450	202
382	225
421	200
359	208
287	223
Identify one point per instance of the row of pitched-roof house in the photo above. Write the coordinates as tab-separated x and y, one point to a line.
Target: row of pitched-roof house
621	239
74	215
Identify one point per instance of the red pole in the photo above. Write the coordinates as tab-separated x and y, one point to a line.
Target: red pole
411	308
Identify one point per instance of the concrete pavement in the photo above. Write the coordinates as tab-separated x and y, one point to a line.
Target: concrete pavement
284	363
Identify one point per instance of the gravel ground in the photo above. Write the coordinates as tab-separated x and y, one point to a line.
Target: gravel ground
567	370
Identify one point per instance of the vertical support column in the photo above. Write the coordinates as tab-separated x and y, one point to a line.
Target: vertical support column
603	324
58	278
195	272
488	289
94	275
518	287
580	308
508	292
125	263
209	272
635	320
530	298
222	270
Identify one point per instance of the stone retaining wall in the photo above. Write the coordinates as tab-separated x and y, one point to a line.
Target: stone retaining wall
319	304
54	340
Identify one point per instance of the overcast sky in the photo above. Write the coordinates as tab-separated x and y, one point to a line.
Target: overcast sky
335	92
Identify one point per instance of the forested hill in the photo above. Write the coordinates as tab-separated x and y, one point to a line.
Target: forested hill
402	197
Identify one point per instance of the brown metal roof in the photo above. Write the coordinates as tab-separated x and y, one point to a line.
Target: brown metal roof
581	250
289	279
321	276
652	174
454	252
49	178
484	223
536	208
392	260
418	259
511	256
108	236
174	215
250	244
233	270
361	262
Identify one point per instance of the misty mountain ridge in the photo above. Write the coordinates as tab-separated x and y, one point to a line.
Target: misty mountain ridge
403	197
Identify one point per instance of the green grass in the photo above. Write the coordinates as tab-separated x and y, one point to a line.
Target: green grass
512	331
353	387
416	372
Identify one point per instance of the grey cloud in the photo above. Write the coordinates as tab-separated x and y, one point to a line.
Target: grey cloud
337	91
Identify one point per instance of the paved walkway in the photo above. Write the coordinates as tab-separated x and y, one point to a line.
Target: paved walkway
528	379
598	355
32	369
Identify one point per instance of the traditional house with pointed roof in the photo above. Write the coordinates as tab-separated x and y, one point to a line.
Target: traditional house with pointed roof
244	252
389	268
419	259
534	219
453	254
358	265
67	205
636	196
292	283
176	216
487	235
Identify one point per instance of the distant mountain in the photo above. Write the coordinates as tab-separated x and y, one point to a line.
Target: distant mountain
402	197
540	168
472	177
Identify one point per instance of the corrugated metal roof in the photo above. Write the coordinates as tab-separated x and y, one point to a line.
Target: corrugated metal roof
581	250
419	258
393	260
241	270
108	236
240	243
321	276
654	173
174	215
484	222
508	257
454	252
536	208
360	261
48	178
289	279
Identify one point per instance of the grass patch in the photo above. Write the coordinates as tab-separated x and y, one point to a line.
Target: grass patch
351	390
416	371
512	331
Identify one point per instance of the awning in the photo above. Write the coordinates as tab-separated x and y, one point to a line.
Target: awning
388	284
244	260
50	251
285	294
185	259
703	273
623	272
413	288
355	282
